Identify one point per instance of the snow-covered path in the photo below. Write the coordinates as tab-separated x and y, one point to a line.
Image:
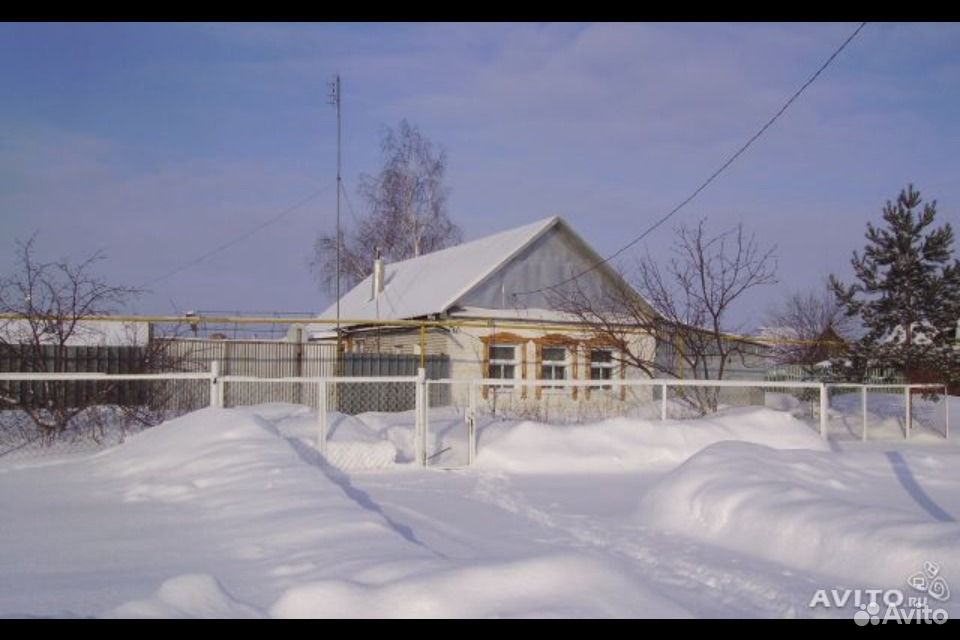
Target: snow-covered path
488	514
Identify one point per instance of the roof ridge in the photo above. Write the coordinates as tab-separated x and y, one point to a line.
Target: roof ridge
432	282
461	245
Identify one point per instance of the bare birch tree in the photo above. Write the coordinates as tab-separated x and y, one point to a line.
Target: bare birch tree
407	211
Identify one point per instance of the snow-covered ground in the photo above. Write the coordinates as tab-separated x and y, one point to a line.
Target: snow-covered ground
233	513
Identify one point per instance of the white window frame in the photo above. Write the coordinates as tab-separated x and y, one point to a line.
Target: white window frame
564	364
503	362
610	366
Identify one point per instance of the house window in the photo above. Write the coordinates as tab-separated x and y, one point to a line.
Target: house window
601	366
503	362
553	364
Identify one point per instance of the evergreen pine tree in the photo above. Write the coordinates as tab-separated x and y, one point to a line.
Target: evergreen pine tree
908	294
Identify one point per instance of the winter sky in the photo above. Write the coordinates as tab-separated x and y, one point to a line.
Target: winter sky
156	143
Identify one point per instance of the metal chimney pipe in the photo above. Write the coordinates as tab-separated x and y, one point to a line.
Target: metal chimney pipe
378	273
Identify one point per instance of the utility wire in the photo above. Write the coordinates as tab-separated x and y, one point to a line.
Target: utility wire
712	177
275	218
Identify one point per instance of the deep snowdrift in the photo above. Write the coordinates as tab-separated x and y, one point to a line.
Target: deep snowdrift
353	442
808	510
217	492
623	444
233	513
561	586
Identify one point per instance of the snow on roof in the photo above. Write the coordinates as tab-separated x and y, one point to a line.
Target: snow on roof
773	332
920	334
433	282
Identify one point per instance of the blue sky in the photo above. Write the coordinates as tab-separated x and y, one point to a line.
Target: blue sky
156	143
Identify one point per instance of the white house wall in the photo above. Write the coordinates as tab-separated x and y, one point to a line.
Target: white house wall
466	350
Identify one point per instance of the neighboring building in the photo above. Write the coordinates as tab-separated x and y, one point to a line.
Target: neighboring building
87	333
512	337
786	346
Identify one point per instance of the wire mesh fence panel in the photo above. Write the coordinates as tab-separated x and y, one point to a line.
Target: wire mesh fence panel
801	403
845	417
371	424
560	402
366	424
266	395
375	422
614	400
930	413
506	402
686	402
564	402
693	400
353	398
881	412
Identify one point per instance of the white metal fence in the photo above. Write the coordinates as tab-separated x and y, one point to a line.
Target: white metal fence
435	422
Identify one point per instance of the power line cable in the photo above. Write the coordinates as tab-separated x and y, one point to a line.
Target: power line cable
275	218
712	177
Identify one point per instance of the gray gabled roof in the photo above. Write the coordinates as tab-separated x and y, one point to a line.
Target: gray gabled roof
434	282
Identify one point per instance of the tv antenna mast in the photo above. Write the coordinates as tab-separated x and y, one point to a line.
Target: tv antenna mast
334	99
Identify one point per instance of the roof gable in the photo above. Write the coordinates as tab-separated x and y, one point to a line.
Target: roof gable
539	254
549	262
431	283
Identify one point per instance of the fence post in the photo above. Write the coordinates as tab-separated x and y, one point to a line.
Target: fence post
471	424
322	418
824	409
863	397
663	402
216	385
908	402
946	412
420	413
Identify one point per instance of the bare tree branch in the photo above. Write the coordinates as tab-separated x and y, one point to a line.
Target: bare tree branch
807	328
407	202
685	303
48	301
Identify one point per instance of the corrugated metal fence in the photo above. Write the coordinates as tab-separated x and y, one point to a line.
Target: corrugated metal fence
355	398
268	359
86	359
262	359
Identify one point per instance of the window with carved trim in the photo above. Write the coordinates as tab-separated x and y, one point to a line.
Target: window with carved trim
601	366
502	361
554	362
